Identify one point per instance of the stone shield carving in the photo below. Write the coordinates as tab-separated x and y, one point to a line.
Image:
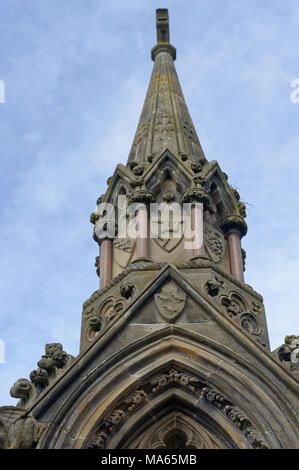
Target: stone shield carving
168	237
214	243
170	302
123	249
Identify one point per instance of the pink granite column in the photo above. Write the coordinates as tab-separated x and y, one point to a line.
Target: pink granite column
197	228
105	262
235	257
235	227
142	249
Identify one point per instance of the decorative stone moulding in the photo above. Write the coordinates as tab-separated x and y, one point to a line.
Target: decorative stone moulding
234	222
163	48
197	195
214	243
142	195
173	377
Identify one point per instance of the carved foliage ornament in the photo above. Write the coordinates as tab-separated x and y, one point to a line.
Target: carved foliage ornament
214	243
237	308
98	320
109	424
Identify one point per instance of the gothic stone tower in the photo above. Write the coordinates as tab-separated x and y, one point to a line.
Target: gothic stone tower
174	348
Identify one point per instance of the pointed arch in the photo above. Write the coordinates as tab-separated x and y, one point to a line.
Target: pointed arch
176	374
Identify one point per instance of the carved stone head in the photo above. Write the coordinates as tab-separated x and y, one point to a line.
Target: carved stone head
39	377
21	389
52	348
59	359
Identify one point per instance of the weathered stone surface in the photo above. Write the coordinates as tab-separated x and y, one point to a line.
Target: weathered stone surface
18	429
174	349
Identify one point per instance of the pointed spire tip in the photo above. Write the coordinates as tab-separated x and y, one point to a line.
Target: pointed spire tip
163	41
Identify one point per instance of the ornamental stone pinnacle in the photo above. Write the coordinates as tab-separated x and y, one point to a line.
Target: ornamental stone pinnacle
165	121
174	349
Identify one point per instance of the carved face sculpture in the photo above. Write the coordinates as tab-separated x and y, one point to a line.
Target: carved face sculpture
59	359
21	388
52	348
39	377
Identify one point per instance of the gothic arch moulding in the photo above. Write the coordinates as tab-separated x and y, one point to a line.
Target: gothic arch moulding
168	376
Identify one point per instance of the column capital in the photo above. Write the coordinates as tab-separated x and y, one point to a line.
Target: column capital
141	195
197	195
163	48
100	240
234	223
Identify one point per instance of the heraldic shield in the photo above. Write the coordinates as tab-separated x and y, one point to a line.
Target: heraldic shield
170	302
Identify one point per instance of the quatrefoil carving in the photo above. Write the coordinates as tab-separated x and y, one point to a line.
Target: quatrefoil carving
234	304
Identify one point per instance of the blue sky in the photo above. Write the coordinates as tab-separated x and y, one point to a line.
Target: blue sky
76	74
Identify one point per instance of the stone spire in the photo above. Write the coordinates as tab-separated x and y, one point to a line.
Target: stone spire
165	121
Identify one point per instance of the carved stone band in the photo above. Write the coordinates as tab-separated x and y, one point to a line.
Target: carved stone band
163	48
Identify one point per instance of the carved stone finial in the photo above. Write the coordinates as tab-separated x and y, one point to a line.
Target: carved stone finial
162	21
163	44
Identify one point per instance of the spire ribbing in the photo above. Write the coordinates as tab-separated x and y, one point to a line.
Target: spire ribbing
165	121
